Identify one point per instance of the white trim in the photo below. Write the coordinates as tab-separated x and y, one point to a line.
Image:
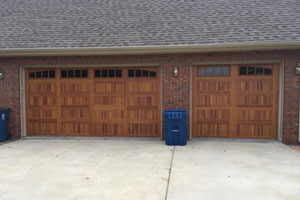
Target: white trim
281	87
281	100
22	101
150	49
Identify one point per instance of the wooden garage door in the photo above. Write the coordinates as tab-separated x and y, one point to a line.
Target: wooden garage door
93	102
237	101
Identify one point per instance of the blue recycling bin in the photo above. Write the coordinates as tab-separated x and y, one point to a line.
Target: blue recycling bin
4	112
175	127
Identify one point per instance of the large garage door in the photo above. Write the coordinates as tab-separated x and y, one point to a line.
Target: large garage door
238	101
93	102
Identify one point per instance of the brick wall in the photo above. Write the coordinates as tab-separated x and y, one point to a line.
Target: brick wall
176	91
10	95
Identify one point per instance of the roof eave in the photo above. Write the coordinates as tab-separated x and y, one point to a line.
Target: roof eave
155	49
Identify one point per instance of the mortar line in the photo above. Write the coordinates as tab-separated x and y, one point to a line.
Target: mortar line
170	170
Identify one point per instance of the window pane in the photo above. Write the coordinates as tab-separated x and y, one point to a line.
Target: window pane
201	72
259	70
225	71
251	70
152	74
111	73
104	73
130	73
31	75
118	73
77	73
70	73
145	73
63	73
138	73
217	71
45	74
97	73
243	70
84	73
38	74
267	71
52	73
214	71
209	71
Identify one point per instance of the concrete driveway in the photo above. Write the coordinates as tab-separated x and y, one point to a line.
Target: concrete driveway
39	169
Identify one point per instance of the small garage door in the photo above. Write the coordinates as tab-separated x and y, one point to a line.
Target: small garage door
236	101
93	102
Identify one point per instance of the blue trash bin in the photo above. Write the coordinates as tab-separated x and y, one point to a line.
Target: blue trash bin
4	112
175	127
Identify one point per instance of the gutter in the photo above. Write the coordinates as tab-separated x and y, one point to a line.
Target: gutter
152	49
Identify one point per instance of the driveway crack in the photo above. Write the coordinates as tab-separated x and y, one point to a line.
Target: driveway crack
170	171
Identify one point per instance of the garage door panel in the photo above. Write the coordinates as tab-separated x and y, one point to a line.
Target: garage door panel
42	88
109	100
109	129
208	100
213	85
37	127
109	87
258	114
202	114
143	114
41	100
74	100
75	128
143	129
255	85
255	130
143	100
42	112
109	114
255	100
212	130
74	87
143	87
78	113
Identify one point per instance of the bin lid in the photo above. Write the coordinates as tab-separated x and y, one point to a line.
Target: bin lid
175	113
4	109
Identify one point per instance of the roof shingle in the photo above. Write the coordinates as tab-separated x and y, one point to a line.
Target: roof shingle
121	23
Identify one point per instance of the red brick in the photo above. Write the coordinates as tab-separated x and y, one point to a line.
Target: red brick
176	91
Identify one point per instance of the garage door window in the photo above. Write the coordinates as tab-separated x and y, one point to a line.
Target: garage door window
108	73
255	70
42	74
74	73
141	73
214	71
